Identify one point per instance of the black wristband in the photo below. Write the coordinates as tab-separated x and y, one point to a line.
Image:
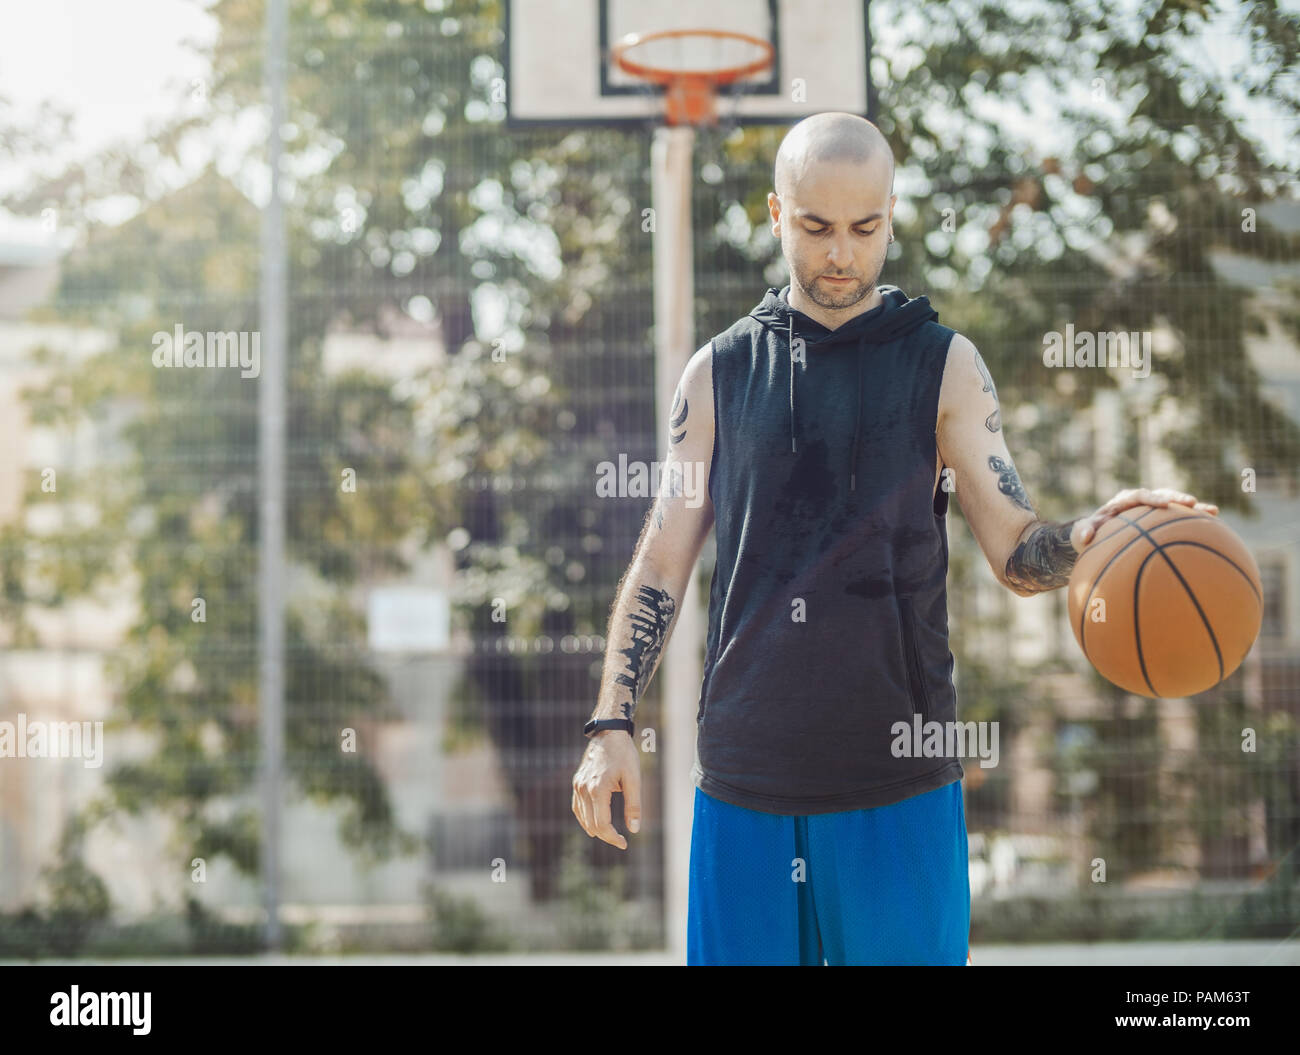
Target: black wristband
595	726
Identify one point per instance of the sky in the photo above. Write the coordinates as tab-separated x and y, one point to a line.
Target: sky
56	50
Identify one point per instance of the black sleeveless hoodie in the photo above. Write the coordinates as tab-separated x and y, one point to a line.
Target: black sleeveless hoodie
828	618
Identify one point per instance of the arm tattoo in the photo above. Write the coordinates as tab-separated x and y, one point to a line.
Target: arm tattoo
994	421
672	489
677	416
650	623
1009	482
1044	560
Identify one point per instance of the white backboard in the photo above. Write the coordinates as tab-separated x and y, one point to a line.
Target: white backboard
558	70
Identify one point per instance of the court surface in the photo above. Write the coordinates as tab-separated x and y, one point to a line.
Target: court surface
1102	954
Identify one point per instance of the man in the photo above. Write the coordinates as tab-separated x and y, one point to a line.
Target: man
824	422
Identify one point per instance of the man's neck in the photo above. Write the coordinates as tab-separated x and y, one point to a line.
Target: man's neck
832	318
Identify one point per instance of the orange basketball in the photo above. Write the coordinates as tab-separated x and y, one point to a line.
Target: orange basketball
1165	601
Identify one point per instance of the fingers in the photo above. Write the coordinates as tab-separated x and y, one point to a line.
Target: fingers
604	828
583	802
600	775
1142	496
1164	496
1123	500
632	801
1196	503
591	805
580	809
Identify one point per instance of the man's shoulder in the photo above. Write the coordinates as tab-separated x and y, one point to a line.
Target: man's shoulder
963	373
940	335
952	344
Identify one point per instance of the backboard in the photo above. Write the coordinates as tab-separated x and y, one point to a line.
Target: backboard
558	70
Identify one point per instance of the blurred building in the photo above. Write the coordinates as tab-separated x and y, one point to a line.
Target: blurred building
453	798
1019	632
59	677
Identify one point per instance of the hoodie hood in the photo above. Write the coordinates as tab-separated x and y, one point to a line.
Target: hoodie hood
895	317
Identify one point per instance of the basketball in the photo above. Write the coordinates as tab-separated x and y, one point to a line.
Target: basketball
1165	601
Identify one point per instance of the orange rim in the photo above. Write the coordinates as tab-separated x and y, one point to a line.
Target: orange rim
691	93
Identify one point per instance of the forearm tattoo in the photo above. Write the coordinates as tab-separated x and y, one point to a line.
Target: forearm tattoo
994	421
677	417
650	622
1009	481
1044	560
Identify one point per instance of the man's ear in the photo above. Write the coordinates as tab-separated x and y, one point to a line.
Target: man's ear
774	209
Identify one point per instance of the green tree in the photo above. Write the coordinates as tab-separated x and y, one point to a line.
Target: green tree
406	186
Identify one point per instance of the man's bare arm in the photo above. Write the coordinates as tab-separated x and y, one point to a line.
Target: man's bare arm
646	604
1028	555
646	601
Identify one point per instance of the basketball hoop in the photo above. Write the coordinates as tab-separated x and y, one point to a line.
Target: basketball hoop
691	90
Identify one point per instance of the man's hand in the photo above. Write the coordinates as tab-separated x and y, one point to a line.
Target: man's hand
1085	528
610	764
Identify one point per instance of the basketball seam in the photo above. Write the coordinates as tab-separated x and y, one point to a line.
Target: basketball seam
1242	571
1083	614
1157	548
1137	623
1142	533
1237	567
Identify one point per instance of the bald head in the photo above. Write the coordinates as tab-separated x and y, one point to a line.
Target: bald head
833	210
829	138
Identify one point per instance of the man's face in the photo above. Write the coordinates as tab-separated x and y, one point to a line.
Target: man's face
834	226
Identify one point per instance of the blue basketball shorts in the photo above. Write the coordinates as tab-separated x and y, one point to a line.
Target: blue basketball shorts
888	885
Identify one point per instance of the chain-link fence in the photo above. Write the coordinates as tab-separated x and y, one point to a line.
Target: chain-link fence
470	314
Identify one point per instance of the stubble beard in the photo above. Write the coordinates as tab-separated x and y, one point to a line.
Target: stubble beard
825	297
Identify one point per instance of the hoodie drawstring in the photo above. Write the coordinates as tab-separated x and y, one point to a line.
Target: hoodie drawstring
906	317
790	345
857	424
